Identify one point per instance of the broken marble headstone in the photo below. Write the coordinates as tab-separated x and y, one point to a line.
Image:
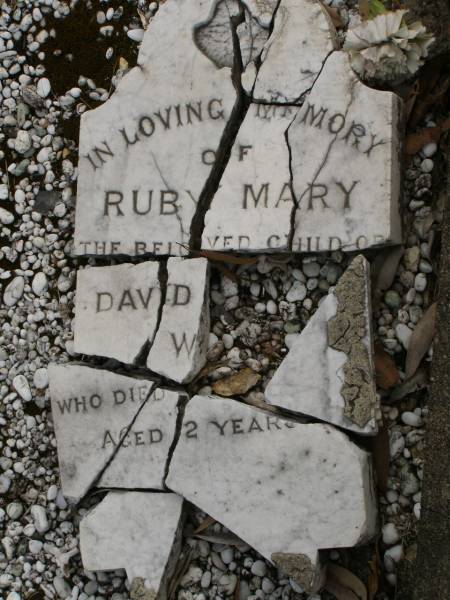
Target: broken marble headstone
302	38
216	38
329	370
146	154
116	310
136	531
344	146
253	206
99	416
285	488
179	349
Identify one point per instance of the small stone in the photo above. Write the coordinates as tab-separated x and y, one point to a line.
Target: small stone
259	568
43	87
137	35
14	510
427	165
390	534
411	419
22	142
430	149
311	269
420	282
20	384
403	333
40	519
39	284
14	290
297	292
6	217
40	378
392	299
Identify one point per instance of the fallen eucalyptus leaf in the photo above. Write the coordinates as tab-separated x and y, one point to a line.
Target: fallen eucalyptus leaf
236	384
381	457
346	584
416	141
421	339
334	16
385	266
387	374
205	524
415	383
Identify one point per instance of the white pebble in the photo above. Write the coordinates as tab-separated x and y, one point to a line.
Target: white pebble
427	165
136	34
14	290
429	149
40	380
395	553
6	217
403	333
39	284
43	87
20	384
40	518
411	419
390	534
259	568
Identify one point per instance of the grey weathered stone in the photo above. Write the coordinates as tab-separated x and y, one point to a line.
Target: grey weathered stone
93	413
116	310
329	370
136	531
285	488
181	342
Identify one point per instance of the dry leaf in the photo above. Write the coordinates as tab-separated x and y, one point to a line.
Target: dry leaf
237	384
387	375
416	141
223	257
364	9
334	16
385	266
205	524
420	341
373	579
381	457
348	581
415	383
229	539
339	591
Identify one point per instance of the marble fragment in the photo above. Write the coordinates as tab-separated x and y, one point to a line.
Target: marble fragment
303	36
285	488
116	310
252	209
146	154
181	342
345	146
329	371
99	416
140	532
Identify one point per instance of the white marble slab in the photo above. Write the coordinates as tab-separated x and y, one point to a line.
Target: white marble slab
323	381
303	36
286	489
136	531
180	345
345	147
116	310
252	209
146	153
92	411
